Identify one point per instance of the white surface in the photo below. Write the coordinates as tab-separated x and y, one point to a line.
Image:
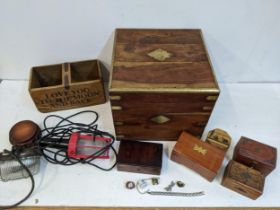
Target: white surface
243	37
251	110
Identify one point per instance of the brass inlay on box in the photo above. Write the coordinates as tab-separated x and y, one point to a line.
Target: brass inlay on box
116	108
159	54
211	98
200	149
115	98
160	119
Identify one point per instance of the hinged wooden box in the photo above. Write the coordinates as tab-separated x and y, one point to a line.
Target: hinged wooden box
257	155
140	157
67	85
161	83
243	179
198	155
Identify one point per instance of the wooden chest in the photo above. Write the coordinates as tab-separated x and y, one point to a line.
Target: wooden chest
198	155
243	179
257	155
161	84
140	157
66	86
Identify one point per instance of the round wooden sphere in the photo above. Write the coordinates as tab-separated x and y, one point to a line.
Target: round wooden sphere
24	133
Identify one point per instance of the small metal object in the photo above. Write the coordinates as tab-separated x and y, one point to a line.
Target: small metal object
142	183
180	184
170	186
193	194
130	185
11	169
155	181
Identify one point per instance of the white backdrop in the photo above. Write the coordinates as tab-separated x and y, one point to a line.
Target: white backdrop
243	36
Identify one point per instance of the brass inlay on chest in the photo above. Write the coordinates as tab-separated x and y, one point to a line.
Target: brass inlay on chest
115	98
200	149
116	108
160	119
159	54
211	98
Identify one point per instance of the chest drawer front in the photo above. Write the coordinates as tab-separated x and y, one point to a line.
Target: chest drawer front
145	127
132	103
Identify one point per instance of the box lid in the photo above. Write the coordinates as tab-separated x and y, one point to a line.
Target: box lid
142	154
164	60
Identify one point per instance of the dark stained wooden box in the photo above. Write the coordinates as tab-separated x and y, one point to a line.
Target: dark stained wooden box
255	154
198	155
161	83
67	85
140	157
243	179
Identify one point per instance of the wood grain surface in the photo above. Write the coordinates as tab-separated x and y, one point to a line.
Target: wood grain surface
184	63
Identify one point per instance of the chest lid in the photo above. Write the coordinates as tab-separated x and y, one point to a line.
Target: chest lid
161	60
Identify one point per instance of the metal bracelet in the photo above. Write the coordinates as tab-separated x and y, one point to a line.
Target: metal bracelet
193	194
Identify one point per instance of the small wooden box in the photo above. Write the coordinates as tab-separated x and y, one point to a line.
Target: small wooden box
161	83
140	157
254	154
198	155
219	138
66	86
244	180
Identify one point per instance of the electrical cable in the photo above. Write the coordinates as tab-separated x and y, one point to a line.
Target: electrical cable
30	176
60	133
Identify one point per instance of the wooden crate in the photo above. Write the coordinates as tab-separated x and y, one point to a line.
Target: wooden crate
161	84
67	85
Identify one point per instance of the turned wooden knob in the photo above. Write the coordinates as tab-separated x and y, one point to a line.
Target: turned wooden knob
24	133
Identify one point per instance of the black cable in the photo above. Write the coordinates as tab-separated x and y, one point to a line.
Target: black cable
60	133
30	176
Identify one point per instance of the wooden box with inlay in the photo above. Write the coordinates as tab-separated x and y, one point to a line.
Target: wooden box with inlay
243	180
161	83
201	157
67	85
257	155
